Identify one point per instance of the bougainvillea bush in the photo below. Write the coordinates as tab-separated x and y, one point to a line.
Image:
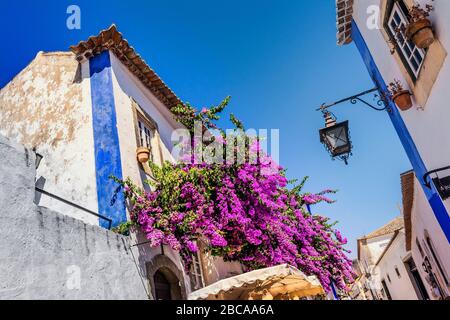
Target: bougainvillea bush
244	212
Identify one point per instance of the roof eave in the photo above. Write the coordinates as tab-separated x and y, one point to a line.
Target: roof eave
397	232
407	183
111	39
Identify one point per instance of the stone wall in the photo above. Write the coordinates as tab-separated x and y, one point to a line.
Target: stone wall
48	255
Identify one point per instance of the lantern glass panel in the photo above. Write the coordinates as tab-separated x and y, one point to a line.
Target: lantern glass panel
336	138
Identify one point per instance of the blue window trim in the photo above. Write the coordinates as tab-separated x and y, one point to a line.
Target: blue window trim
106	141
419	167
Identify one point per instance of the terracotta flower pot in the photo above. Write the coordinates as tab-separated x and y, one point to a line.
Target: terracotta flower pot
403	100
421	33
143	154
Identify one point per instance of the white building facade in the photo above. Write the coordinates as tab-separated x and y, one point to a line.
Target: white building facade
423	130
393	271
425	241
370	249
87	112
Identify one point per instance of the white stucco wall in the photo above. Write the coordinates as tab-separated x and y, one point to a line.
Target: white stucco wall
48	106
424	221
47	255
369	255
127	86
427	124
400	287
377	245
373	249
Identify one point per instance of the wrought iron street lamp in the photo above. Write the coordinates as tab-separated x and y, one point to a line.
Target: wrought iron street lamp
336	138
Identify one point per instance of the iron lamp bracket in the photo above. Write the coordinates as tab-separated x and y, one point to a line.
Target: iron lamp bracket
382	103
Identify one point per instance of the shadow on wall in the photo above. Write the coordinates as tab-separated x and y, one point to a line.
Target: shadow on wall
40	183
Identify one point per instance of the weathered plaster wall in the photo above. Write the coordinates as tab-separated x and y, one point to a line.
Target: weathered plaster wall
400	287
48	106
47	255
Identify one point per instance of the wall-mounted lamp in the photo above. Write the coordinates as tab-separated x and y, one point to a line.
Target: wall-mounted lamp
336	138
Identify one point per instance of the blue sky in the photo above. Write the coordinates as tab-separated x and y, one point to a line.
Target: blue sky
277	59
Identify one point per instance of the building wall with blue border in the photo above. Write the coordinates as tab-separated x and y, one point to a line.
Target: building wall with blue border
108	160
382	68
114	90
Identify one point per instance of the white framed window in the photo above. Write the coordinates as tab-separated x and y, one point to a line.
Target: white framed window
145	134
412	55
196	275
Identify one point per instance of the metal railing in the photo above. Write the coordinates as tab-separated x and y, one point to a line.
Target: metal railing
429	173
74	205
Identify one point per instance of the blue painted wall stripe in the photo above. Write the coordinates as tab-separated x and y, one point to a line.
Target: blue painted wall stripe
413	154
106	140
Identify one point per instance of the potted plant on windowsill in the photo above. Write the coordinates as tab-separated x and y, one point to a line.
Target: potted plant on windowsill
420	30
400	96
143	154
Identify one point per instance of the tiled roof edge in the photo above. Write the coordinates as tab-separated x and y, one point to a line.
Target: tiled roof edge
111	39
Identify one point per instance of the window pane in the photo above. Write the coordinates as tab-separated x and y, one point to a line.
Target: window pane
418	56
415	64
397	18
407	52
393	25
411	45
145	135
412	55
141	136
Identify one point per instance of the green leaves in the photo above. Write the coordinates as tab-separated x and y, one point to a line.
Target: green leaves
298	188
243	211
237	123
188	115
124	228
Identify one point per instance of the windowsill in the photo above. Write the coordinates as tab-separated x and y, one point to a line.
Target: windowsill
145	168
432	65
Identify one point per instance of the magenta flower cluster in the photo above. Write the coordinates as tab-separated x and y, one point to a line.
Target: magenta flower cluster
244	213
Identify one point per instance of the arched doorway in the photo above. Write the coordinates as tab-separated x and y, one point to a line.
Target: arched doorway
162	286
166	280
